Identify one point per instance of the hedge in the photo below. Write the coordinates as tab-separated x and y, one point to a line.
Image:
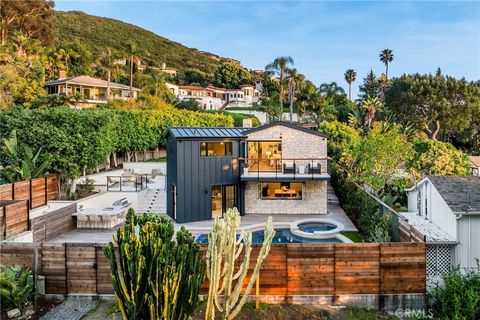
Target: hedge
78	139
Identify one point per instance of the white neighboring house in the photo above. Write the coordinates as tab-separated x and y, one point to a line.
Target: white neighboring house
214	98
447	210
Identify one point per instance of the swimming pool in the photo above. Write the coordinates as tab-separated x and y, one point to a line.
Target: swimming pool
281	236
313	227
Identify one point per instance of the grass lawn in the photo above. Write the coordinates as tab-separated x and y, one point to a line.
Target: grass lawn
157	160
353	235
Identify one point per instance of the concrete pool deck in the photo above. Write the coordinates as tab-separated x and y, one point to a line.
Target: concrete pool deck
335	212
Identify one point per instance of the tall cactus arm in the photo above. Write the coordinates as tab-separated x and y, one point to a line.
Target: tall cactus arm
267	243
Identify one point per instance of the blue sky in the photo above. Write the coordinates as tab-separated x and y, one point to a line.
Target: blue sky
324	38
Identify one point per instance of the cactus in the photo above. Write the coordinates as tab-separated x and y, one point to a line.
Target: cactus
154	276
223	250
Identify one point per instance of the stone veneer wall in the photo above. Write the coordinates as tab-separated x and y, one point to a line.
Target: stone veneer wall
314	201
295	143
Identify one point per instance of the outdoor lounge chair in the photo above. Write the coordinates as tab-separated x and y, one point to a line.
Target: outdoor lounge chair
111	183
288	167
315	168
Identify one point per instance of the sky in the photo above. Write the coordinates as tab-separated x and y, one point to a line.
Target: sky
324	38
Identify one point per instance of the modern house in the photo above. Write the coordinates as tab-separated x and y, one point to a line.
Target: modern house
475	165
214	98
447	211
93	90
278	168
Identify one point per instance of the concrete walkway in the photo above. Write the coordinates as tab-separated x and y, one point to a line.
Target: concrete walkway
74	308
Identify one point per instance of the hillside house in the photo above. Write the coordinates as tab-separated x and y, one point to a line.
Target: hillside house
93	90
214	98
475	165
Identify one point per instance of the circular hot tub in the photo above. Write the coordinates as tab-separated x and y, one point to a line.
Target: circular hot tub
312	227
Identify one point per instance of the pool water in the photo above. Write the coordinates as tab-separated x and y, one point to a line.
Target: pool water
281	236
312	227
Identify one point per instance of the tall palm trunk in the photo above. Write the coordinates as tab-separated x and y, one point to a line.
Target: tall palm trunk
386	70
281	90
350	91
131	76
109	75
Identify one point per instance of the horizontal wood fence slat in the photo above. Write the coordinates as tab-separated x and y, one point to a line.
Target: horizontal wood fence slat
13	217
290	269
36	191
53	224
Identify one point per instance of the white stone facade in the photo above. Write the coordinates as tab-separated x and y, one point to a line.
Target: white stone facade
314	200
296	144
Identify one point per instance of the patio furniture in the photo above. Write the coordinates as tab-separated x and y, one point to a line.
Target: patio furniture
301	169
82	220
315	168
109	221
94	221
111	182
288	167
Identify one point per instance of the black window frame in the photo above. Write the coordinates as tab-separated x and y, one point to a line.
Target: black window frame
225	148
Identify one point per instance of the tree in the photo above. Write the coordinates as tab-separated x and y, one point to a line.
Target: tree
438	158
350	77
370	86
330	89
372	106
434	102
107	63
133	52
376	157
32	18
295	81
231	75
279	66
386	56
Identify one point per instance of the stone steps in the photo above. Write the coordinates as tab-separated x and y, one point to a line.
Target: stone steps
154	202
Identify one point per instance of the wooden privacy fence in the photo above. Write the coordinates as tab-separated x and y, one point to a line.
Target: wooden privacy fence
290	269
13	217
36	191
53	224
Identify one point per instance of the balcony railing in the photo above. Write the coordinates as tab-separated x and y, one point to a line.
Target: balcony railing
285	168
127	182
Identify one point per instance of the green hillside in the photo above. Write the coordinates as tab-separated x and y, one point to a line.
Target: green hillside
97	33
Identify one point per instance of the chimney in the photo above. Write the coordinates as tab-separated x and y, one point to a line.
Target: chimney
247	123
62	74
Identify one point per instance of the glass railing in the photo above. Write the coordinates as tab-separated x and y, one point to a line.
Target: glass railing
135	182
292	167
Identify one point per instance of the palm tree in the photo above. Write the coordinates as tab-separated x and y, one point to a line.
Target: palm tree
132	50
372	107
280	66
107	63
330	89
295	80
386	56
350	77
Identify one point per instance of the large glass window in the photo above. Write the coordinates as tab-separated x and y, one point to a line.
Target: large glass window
280	190
264	155
211	149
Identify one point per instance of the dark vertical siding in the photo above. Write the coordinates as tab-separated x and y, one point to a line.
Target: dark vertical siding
171	172
195	176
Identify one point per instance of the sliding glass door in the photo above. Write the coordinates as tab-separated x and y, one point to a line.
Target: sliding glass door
223	198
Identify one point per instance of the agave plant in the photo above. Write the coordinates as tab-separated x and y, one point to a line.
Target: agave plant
24	161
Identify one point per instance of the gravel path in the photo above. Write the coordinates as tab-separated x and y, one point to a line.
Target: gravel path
74	308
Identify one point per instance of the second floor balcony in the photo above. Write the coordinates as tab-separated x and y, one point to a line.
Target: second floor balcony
254	169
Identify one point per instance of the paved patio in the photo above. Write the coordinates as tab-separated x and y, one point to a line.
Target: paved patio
335	212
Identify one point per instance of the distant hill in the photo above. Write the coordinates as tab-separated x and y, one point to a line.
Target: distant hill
97	33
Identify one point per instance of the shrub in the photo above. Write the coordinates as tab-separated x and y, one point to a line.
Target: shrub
156	276
16	286
458	298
